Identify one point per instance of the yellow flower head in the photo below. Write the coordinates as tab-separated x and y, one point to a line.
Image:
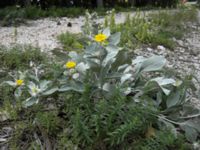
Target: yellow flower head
100	38
70	64
19	82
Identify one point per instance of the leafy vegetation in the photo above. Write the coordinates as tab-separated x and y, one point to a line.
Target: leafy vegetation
20	57
71	41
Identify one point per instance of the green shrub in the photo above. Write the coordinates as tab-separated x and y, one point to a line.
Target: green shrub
163	39
48	121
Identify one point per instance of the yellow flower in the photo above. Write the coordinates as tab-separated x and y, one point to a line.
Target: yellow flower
19	82
100	38
70	64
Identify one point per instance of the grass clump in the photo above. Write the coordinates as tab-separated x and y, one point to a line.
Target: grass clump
155	28
71	41
20	57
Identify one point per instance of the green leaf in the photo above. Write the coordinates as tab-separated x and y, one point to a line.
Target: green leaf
190	110
115	38
125	77
112	52
153	63
11	83
190	132
138	60
18	92
122	58
163	81
115	75
106	32
91	48
44	84
82	67
111	48
74	56
153	85
194	123
159	98
159	83
93	64
107	87
173	99
49	92
30	101
78	87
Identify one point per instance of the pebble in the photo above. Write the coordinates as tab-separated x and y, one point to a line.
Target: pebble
180	42
149	49
160	47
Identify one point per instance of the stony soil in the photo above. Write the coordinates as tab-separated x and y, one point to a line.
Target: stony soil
44	32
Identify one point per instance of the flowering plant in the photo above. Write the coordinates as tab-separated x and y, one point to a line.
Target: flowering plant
106	69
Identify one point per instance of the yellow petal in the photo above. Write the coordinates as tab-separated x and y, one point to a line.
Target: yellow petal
19	82
100	38
70	64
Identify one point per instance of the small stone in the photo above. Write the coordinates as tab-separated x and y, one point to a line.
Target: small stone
182	50
149	49
69	24
174	39
194	51
180	42
58	23
160	47
189	41
182	58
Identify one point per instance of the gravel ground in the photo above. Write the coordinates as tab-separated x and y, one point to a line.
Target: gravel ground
44	32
